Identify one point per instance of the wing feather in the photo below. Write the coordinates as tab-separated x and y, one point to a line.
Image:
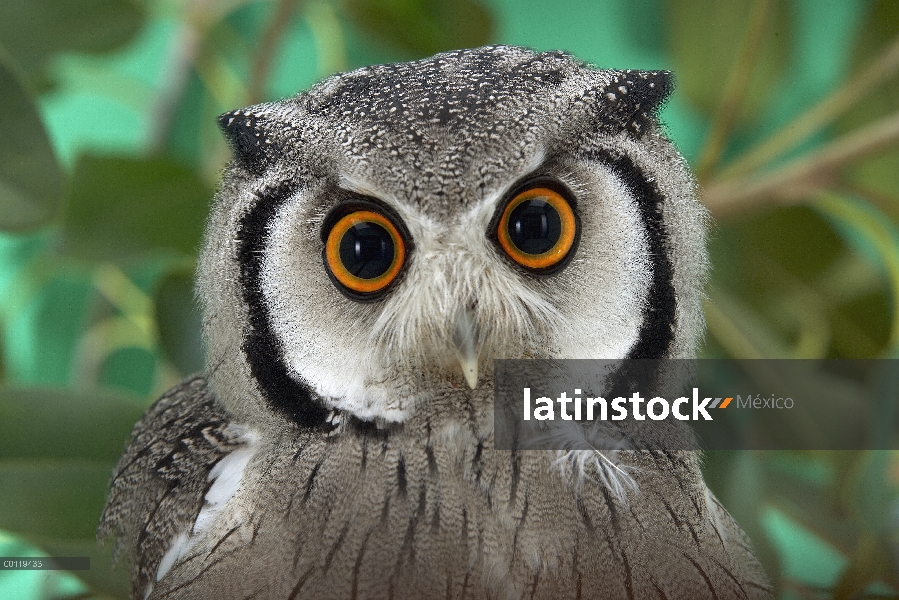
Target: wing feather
159	483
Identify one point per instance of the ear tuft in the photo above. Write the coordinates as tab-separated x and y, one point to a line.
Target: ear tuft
250	138
635	97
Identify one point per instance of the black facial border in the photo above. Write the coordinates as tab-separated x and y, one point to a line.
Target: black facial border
660	313
263	349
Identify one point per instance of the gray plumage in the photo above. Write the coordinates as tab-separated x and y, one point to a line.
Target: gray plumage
333	448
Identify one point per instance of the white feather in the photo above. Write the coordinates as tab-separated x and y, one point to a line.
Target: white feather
226	477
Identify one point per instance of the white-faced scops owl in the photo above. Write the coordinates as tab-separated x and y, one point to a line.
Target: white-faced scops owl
377	242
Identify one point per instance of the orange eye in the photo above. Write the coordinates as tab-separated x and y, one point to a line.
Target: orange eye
538	228
364	252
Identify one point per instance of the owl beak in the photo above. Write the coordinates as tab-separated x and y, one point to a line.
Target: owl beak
470	370
465	339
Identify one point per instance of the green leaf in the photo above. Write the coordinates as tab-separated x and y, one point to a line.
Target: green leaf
869	561
423	27
815	508
53	498
129	368
34	30
179	321
806	558
122	207
41	423
879	175
31	181
873	235
873	496
44	332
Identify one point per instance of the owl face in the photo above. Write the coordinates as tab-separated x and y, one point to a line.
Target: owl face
382	238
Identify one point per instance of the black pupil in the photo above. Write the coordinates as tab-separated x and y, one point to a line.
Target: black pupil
534	226
366	250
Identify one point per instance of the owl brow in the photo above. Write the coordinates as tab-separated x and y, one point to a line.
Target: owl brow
355	186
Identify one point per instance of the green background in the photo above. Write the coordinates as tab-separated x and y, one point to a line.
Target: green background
109	155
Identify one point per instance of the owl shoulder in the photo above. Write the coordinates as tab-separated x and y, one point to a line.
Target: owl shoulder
158	486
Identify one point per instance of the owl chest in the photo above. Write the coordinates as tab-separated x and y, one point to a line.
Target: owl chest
330	520
326	521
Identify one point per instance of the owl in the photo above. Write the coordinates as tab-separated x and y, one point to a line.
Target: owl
377	242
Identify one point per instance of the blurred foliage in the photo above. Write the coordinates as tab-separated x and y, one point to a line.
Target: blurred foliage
34	31
787	109
148	193
422	28
30	178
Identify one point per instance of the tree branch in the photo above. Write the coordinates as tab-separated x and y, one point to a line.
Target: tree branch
802	176
820	115
735	90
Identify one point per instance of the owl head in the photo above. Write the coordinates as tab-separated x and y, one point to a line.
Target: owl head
380	239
